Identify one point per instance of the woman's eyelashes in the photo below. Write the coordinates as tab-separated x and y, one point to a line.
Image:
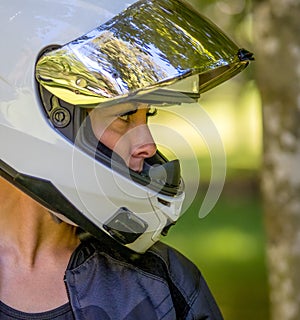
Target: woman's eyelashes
126	116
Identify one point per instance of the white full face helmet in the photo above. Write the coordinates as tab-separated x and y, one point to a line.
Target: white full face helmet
62	61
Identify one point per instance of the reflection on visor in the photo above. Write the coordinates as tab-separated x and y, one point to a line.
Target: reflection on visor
151	48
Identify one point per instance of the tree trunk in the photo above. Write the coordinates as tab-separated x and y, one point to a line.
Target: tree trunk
277	50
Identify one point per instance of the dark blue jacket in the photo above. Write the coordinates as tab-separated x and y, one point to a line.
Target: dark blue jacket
106	281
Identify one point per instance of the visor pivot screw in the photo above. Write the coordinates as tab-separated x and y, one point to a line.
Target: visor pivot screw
60	117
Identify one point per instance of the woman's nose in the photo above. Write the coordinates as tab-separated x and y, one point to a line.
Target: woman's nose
142	143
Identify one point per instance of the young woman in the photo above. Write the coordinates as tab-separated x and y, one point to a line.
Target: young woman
85	194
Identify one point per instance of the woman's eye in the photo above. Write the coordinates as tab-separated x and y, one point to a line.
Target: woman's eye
124	117
151	112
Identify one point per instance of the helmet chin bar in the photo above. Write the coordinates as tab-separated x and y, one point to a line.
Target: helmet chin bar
124	226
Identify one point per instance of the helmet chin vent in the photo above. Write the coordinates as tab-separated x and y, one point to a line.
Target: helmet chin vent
164	202
125	226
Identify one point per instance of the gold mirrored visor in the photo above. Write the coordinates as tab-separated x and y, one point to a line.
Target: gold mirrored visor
154	49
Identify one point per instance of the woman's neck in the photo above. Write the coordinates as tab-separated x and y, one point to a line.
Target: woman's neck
34	253
28	230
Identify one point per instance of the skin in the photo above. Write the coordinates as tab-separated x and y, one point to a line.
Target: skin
34	248
124	130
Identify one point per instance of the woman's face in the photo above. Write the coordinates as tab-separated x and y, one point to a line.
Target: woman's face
123	129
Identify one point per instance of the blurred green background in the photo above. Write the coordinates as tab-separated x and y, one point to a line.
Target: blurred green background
228	245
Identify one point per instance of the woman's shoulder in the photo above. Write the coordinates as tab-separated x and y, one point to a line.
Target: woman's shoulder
161	265
159	259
